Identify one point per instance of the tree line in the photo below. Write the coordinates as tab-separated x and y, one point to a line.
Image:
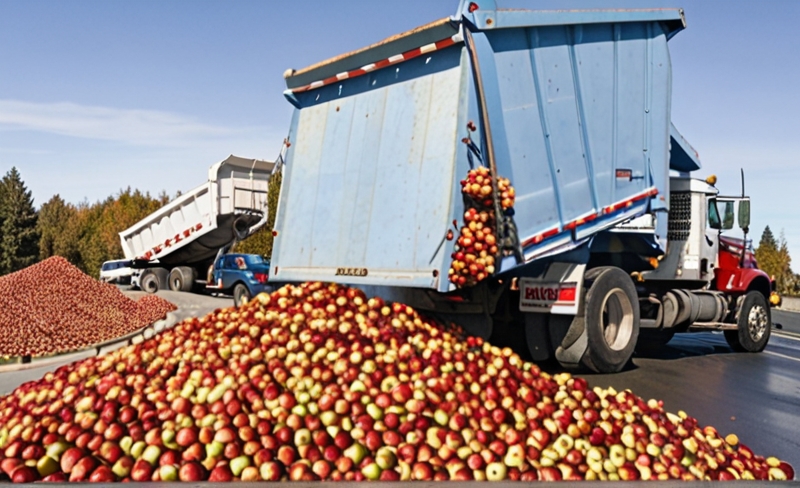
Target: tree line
86	234
772	256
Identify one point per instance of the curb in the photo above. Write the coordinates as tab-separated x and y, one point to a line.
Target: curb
21	363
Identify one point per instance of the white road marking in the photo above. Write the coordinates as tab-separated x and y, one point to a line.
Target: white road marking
787	335
782	356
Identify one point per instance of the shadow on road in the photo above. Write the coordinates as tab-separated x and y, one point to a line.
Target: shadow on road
681	346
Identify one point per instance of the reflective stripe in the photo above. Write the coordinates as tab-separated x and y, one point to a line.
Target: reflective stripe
397	58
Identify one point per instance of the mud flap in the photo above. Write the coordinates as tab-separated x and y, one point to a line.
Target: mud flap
537	336
574	344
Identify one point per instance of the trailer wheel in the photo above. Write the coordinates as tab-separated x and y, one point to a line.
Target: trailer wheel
754	326
612	320
149	283
241	294
181	278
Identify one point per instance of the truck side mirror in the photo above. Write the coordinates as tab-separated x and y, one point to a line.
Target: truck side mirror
744	214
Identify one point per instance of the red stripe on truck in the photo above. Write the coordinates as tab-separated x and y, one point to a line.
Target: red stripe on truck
398	58
537	239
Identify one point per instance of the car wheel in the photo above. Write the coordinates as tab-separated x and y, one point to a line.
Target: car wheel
241	295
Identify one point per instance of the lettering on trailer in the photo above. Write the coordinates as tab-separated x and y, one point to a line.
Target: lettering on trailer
351	272
541	293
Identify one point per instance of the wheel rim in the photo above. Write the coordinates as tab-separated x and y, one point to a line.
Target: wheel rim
757	322
176	284
617	319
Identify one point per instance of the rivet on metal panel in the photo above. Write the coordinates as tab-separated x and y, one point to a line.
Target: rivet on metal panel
276	270
337	109
435	273
489	22
274	233
471	126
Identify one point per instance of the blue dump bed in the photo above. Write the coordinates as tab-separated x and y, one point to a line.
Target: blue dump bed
572	106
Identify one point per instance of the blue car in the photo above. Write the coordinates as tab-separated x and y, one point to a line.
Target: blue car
245	275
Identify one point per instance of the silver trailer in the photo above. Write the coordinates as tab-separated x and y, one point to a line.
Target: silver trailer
175	245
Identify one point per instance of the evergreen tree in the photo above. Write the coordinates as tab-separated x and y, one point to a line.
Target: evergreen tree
772	256
785	277
54	218
767	253
19	236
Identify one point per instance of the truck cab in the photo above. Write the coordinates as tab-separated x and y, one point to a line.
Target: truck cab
243	275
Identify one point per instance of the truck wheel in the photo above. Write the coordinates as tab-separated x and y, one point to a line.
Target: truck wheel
149	283
241	294
612	320
181	278
754	326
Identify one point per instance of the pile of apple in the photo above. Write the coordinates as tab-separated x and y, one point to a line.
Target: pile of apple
319	382
473	258
53	307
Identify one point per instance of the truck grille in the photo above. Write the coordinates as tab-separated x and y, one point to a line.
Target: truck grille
680	216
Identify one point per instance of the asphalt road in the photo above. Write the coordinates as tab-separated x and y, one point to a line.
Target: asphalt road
789	322
756	396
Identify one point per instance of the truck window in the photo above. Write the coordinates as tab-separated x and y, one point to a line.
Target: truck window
713	215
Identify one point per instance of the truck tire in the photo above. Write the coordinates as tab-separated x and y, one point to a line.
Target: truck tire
754	325
241	294
181	278
611	320
149	282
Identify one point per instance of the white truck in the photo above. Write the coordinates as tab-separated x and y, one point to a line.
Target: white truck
175	246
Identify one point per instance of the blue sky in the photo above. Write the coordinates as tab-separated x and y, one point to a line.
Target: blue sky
96	95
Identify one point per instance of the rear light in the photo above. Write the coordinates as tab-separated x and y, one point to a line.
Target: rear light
473	7
567	292
260	277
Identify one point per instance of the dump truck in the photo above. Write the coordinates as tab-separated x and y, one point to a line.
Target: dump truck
175	246
600	237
